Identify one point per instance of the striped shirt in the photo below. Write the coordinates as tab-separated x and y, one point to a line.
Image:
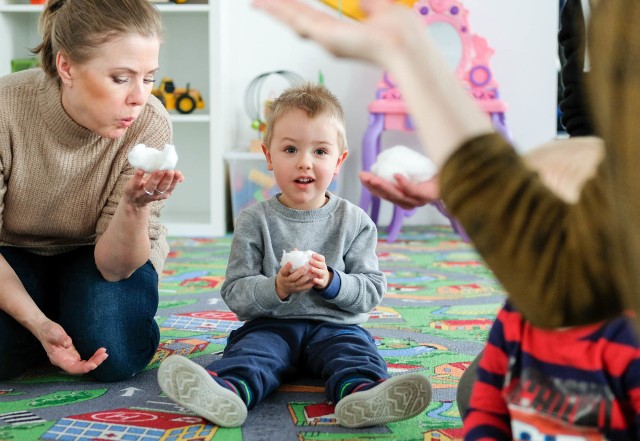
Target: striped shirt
580	382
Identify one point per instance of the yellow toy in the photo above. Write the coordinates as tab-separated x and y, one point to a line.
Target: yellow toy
184	100
352	9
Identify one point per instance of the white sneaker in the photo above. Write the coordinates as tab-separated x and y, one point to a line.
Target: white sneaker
190	385
396	399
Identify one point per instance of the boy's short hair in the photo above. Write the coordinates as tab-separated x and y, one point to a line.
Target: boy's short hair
315	100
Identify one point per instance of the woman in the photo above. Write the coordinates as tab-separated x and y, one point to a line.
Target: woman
81	245
561	263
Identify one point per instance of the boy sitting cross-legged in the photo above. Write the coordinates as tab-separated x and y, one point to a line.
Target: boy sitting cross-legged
305	319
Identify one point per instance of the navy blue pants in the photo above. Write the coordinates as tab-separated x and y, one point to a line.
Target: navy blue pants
264	350
95	313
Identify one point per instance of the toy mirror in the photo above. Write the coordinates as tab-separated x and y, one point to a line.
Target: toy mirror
448	41
443	18
447	21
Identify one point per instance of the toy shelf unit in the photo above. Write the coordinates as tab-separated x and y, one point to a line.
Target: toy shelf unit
448	20
187	57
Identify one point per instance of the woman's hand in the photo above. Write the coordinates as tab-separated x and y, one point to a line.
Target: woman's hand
61	351
393	37
371	40
403	192
144	188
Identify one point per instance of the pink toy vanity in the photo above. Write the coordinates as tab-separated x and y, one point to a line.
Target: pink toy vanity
389	112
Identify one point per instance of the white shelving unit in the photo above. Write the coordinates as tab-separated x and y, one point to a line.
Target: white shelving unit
190	54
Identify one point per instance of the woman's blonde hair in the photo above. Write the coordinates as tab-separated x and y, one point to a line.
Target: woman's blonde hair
315	100
79	27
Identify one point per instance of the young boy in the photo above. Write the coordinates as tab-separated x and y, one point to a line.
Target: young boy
578	383
305	319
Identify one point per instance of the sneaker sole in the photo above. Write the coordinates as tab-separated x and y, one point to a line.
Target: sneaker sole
190	385
396	399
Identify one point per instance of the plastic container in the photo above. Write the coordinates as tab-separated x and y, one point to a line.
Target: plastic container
250	181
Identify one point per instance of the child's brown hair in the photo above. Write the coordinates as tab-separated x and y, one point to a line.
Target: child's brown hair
316	100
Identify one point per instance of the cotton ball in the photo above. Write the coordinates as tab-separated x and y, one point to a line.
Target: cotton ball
297	258
404	161
150	159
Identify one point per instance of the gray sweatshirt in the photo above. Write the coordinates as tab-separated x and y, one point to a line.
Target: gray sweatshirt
342	232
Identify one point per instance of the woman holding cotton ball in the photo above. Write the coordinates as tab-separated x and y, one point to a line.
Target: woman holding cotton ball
81	244
156	163
403	161
403	176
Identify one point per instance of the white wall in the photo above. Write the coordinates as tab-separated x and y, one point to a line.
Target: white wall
522	33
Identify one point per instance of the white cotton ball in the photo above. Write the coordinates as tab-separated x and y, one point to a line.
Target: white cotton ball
150	159
297	258
405	161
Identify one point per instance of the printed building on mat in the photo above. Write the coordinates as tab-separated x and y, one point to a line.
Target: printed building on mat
133	425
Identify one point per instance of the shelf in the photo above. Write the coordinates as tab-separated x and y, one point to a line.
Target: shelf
170	8
190	118
187	8
198	207
188	228
21	8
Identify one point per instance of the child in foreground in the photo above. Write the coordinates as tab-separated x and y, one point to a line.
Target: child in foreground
581	382
307	319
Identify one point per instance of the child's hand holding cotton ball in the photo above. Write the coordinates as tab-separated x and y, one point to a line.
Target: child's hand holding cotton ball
404	161
300	271
297	258
291	279
151	159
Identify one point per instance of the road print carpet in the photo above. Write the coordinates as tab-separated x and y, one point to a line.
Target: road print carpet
434	319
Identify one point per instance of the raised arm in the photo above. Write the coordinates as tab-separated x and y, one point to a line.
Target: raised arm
393	38
125	245
550	256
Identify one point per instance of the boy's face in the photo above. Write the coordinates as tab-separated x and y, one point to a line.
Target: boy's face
304	156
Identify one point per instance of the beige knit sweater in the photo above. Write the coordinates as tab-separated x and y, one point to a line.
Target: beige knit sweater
61	183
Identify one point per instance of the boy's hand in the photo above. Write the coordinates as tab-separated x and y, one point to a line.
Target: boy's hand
319	271
288	282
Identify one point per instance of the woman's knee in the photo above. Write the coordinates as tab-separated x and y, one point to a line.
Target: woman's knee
10	367
19	349
126	357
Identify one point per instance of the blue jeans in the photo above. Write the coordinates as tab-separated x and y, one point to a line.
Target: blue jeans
95	313
263	351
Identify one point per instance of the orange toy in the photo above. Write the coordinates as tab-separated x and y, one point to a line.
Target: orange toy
352	9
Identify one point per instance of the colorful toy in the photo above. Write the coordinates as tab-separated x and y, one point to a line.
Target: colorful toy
184	100
352	9
18	64
256	105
